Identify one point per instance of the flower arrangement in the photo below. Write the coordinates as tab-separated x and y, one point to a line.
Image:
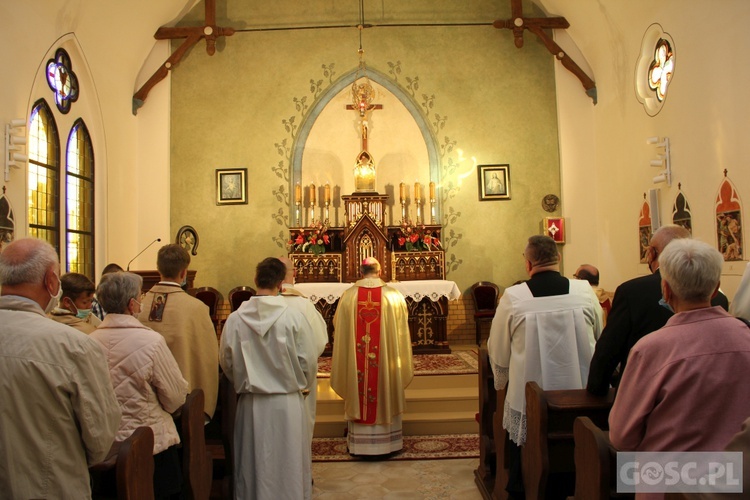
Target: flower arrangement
312	240
417	238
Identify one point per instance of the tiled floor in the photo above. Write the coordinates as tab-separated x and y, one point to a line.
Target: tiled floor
412	479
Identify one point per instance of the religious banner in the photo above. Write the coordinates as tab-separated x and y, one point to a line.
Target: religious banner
729	221
644	229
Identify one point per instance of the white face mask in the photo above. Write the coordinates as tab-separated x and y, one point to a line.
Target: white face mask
54	299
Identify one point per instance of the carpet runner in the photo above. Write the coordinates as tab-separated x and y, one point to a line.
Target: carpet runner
415	448
456	363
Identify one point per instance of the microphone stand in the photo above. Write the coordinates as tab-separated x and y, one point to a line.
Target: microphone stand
139	253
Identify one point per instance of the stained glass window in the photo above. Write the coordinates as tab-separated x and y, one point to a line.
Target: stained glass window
62	80
79	201
661	69
44	176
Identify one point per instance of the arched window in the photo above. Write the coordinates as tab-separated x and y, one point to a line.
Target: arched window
44	175
79	201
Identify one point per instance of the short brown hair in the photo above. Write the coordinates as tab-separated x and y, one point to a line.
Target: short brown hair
270	273
76	284
171	260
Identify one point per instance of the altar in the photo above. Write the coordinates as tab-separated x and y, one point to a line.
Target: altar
427	301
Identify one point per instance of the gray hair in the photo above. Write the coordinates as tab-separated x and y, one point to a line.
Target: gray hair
26	260
692	269
541	251
116	289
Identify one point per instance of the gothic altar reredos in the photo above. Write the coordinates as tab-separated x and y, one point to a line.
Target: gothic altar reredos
407	253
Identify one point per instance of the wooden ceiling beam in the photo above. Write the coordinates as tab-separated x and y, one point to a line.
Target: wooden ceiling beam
518	24
192	35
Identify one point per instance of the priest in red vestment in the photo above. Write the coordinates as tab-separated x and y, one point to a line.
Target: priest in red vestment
372	362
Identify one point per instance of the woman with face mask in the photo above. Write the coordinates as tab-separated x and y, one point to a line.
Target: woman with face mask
74	307
147	381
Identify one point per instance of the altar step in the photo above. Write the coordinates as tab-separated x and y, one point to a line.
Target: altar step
435	404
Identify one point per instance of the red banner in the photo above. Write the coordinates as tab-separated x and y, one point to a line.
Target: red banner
368	351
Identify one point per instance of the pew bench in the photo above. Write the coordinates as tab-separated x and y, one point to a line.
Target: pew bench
131	463
595	454
549	448
197	467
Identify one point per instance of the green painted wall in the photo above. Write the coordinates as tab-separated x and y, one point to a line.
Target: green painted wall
487	102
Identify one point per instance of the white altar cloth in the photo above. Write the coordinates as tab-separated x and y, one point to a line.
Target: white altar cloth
417	290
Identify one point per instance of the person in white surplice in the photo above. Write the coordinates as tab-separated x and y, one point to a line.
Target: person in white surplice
267	352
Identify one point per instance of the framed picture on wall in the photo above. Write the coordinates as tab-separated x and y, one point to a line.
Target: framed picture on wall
494	182
231	186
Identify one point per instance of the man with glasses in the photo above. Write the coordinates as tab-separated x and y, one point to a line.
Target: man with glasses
59	413
637	310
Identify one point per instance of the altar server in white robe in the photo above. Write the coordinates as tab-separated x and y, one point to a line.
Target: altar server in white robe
267	352
299	301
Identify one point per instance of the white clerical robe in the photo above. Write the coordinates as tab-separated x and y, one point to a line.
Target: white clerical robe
268	354
396	369
549	340
319	333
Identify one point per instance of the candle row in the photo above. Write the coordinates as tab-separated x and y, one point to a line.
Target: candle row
417	191
313	193
402	192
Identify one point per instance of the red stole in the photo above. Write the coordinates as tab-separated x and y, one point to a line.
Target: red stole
367	341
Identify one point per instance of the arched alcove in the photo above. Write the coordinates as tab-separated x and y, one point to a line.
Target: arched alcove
394	164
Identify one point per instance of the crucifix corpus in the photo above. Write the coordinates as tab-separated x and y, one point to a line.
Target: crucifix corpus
518	23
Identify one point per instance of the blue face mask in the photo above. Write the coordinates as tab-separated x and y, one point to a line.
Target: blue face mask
83	313
665	305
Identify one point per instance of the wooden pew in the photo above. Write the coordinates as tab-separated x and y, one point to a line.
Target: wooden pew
549	433
196	463
595	454
487	402
132	463
501	447
492	456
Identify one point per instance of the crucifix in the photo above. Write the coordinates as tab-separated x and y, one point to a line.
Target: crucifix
537	25
209	31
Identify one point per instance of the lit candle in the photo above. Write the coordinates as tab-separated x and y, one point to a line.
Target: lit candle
312	194
402	191
417	192
328	193
432	190
298	193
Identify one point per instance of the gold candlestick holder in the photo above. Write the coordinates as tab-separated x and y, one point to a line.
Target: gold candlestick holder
312	214
403	210
328	204
432	210
419	211
297	213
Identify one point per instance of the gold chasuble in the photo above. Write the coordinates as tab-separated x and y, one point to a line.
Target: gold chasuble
372	358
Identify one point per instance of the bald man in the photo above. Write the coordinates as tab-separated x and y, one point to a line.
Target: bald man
319	332
636	312
589	273
59	413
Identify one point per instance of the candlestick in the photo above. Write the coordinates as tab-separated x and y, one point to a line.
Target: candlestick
298	193
312	194
417	192
432	191
419	217
402	192
328	193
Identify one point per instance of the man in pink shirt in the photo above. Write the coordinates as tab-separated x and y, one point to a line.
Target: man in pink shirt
685	385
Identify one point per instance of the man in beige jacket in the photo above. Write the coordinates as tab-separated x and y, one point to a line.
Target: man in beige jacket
185	323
